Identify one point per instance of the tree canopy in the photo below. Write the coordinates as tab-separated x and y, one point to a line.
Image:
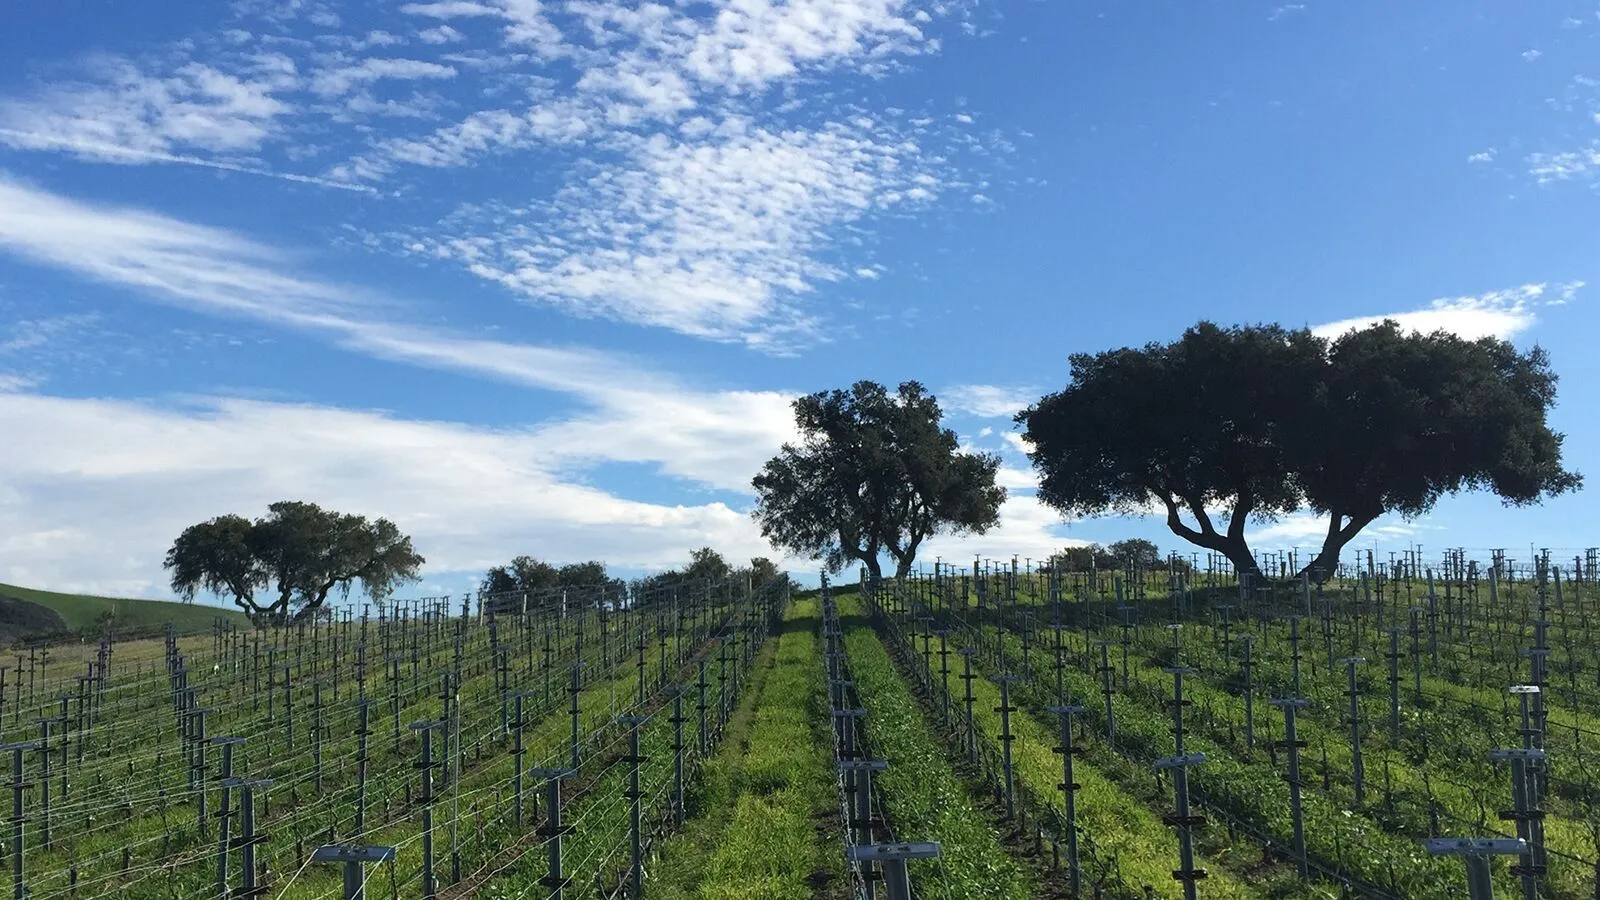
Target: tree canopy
299	550
706	566
763	570
1256	422
873	473
1135	553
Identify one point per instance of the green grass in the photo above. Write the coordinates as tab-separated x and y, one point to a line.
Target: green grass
81	611
1123	828
925	798
754	832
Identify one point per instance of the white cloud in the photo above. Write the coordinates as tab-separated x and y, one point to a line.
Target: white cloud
334	82
1285	10
171	260
470	497
1500	314
1017	442
715	439
986	401
442	34
196	108
672	194
477	494
1531	55
378	39
526	21
1306	530
99	150
688	216
750	44
490	131
715	237
216	271
1014	479
29	334
528	26
1482	156
1027	528
449	9
1565	166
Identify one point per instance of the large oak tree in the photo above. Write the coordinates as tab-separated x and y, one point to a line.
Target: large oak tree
1261	421
873	473
299	550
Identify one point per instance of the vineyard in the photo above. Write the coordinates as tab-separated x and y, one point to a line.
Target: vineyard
1399	731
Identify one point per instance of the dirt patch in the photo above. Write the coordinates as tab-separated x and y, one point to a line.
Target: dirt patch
21	621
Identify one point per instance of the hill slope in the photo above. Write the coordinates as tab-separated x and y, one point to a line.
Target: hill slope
79	611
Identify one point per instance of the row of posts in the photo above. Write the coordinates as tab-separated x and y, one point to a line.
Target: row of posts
1527	764
872	857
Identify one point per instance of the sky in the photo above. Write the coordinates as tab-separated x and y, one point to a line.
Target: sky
543	277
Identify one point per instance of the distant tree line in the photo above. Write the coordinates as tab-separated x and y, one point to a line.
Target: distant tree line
585	582
588	584
1132	553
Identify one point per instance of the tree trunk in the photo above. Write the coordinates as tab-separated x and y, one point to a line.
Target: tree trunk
1321	568
314	604
250	607
1340	533
1244	562
1230	543
874	568
902	568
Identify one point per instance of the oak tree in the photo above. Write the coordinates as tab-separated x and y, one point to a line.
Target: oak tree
299	551
873	473
1256	422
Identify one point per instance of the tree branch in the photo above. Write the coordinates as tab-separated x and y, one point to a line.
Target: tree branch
1339	534
1174	522
1198	510
851	548
1356	524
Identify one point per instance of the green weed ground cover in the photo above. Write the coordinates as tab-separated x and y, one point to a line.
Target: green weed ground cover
764	822
926	799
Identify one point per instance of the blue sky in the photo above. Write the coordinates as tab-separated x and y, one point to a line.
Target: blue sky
542	277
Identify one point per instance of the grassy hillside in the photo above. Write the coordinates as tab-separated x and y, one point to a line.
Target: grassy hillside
80	611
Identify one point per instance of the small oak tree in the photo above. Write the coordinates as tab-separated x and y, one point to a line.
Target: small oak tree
299	550
763	570
1263	421
1135	553
523	575
873	474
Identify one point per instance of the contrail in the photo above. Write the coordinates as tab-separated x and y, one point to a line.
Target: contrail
28	140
